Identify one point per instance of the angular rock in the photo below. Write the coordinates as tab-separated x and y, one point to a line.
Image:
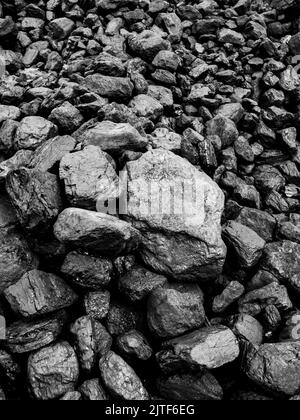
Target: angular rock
114	88
91	341
87	271
224	128
36	197
122	319
254	302
138	283
146	106
39	293
179	245
60	28
274	367
53	371
175	310
282	259
207	348
112	137
261	222
228	36
147	44
245	243
120	379
51	152
248	328
25	337
67	117
97	232
88	176
33	131
230	294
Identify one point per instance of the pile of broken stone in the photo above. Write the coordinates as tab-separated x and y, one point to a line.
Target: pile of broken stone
149	305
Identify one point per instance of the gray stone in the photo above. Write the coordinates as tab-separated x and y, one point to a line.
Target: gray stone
179	245
53	371
147	44
146	106
230	295
174	310
244	242
120	379
88	176
134	345
39	293
274	367
114	88
97	232
92	390
87	271
207	348
112	137
33	131
254	302
224	128
66	117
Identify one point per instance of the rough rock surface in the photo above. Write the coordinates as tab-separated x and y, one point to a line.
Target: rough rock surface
207	348
186	246
53	371
120	378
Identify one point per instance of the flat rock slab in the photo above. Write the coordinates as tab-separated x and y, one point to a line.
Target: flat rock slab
207	348
115	88
39	293
96	232
182	240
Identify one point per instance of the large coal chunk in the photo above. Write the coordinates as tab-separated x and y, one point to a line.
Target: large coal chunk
87	271
120	379
274	367
207	348
183	242
25	337
36	197
96	232
39	293
33	131
114	88
89	175
147	44
174	310
53	371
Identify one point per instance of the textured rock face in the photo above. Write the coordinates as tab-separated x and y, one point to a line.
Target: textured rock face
53	371
120	378
283	260
39	293
207	348
274	367
88	176
118	88
95	232
112	137
183	246
36	197
174	310
33	131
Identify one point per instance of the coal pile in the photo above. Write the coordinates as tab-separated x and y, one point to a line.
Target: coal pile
149	200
